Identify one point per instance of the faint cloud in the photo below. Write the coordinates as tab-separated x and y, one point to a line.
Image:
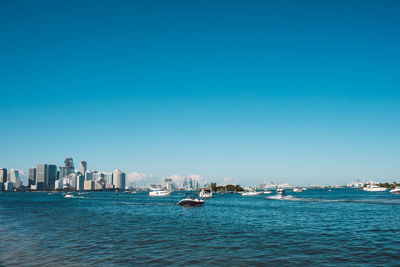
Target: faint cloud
137	176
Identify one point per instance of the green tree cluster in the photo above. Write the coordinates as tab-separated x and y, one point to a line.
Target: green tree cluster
226	188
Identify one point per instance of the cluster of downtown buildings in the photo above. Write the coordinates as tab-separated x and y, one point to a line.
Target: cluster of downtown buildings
47	177
169	184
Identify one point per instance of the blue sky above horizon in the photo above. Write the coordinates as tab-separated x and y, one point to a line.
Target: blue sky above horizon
300	92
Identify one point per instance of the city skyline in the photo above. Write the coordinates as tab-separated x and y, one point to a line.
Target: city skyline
242	92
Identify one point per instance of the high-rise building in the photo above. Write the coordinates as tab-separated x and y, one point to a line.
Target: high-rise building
68	168
58	184
3	178
72	178
119	179
15	178
168	184
88	176
88	185
96	176
108	176
83	167
80	182
45	176
32	176
8	186
13	175
3	175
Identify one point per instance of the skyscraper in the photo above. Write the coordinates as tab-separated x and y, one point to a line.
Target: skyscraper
3	178
45	176
80	182
119	179
14	178
83	167
32	176
68	168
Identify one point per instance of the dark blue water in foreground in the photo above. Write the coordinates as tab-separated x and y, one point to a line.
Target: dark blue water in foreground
343	227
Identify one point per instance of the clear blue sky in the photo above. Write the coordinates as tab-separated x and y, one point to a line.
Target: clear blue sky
296	91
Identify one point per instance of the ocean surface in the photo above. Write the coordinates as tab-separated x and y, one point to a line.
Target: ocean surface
346	227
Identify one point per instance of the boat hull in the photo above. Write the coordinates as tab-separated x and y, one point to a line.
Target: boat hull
190	203
159	193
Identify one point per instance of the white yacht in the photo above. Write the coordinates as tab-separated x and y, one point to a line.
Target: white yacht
206	193
374	188
298	189
267	192
396	190
159	193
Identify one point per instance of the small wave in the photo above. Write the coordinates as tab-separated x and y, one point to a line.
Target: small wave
75	197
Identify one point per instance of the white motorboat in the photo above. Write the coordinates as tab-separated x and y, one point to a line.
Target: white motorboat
298	190
252	193
396	190
267	192
159	193
69	195
206	193
374	188
191	200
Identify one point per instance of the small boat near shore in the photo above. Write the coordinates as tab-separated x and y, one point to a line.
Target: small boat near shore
191	200
297	190
267	192
69	195
396	190
374	188
159	193
206	193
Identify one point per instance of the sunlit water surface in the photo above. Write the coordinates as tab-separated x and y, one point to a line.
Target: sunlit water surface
315	227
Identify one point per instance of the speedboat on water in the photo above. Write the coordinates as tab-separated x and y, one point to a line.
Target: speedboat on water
298	190
190	200
374	188
206	193
267	192
396	190
252	192
159	193
69	195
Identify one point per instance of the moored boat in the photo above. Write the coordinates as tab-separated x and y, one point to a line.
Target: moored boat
159	193
396	190
374	188
206	193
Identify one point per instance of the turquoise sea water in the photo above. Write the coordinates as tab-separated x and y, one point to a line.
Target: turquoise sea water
315	227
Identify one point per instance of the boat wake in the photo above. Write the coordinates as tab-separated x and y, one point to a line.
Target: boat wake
145	204
286	198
